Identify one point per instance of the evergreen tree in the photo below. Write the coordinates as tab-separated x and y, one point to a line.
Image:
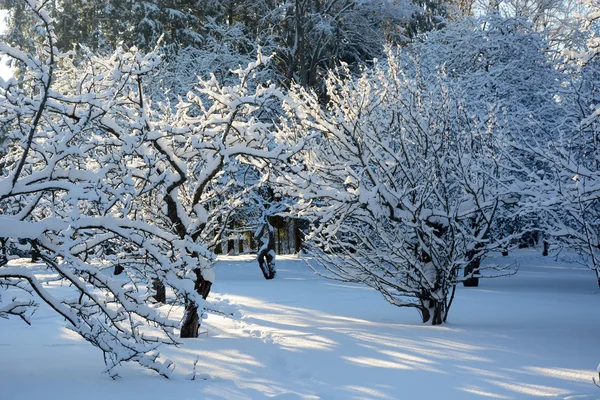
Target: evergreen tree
103	25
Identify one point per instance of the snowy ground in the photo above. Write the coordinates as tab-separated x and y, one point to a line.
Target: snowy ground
533	335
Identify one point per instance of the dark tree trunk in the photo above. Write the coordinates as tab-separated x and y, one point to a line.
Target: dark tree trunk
449	303
191	319
546	248
266	262
432	310
301	227
35	255
191	322
266	254
161	291
472	268
118	269
425	315
438	313
3	252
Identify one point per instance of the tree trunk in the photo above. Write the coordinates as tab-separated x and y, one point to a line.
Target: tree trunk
3	252
161	291
191	319
301	227
291	236
472	268
35	255
438	313
425	314
546	248
266	261
118	269
191	322
266	253
432	310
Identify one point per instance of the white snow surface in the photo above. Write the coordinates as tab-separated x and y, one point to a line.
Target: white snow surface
532	335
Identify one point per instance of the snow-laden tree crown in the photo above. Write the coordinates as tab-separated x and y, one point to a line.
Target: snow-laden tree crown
407	141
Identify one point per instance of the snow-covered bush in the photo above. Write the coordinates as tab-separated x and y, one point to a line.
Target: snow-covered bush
401	183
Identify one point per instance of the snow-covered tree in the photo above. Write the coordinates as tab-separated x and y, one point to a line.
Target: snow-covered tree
97	178
200	143
401	184
591	29
568	191
311	36
103	25
67	189
219	55
307	36
557	19
502	65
